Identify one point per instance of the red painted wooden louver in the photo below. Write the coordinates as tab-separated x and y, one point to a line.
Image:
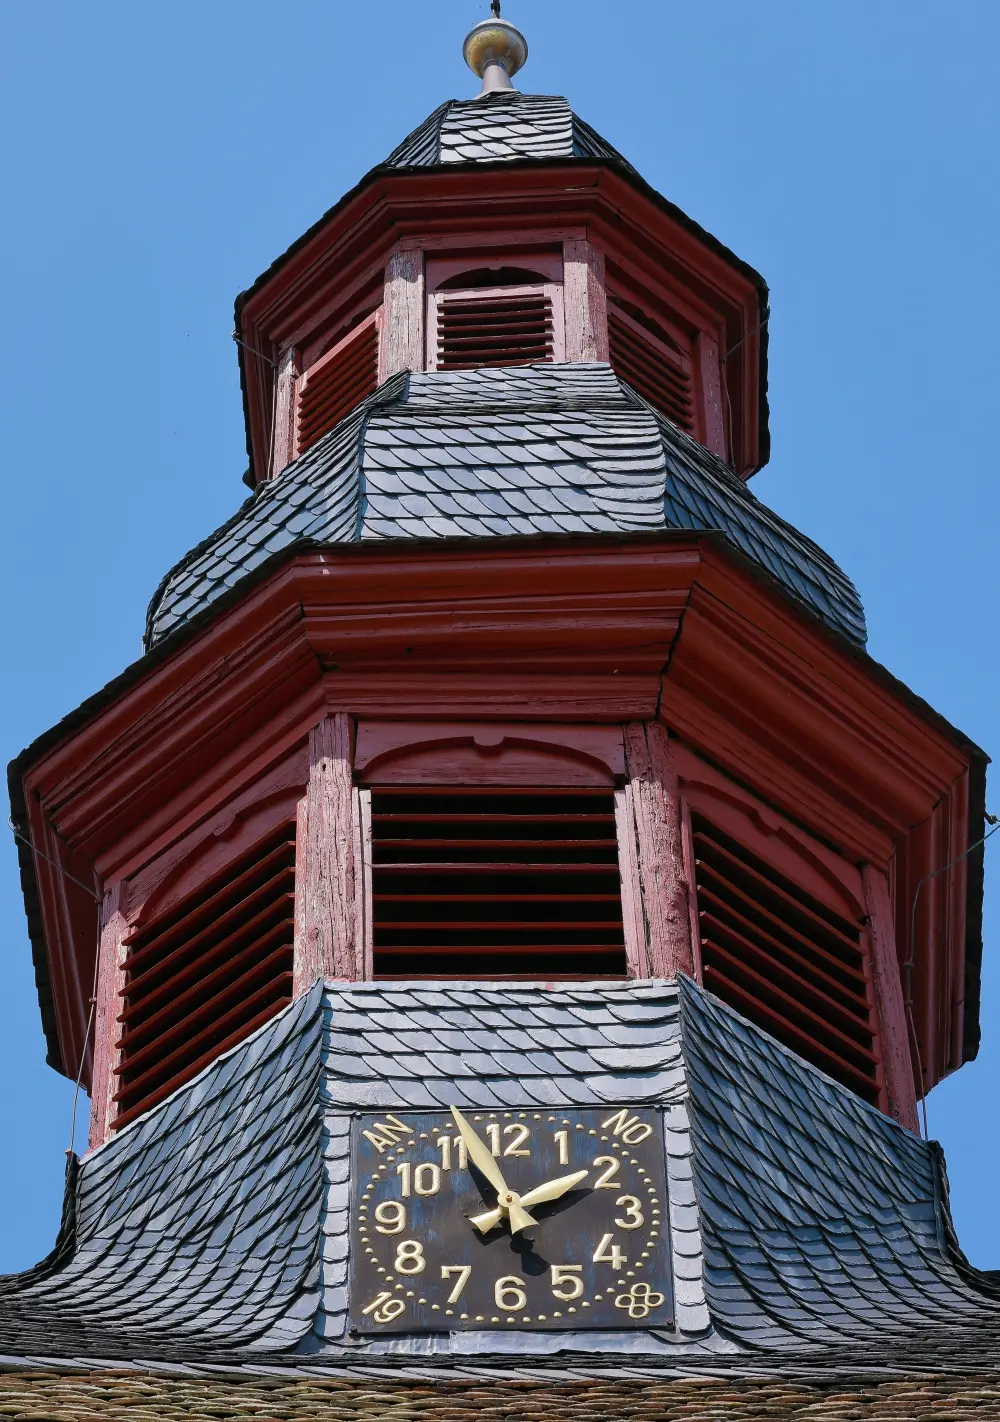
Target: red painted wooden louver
496	883
651	370
494	331
784	960
206	974
335	385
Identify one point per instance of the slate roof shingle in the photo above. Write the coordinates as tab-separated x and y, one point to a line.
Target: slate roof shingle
809	1234
537	450
502	128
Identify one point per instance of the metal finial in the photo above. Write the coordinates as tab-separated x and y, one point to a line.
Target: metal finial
495	50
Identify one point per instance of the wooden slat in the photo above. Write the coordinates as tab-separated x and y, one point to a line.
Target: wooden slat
233	1021
802	1042
846	934
332	391
495	331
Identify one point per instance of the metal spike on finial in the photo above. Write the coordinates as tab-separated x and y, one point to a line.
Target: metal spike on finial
495	50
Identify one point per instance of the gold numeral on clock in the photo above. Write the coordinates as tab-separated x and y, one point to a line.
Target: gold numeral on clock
608	1179
384	1308
410	1257
463	1271
508	1294
634	1218
425	1180
562	1141
446	1144
493	1131
607	1252
520	1134
565	1281
390	1217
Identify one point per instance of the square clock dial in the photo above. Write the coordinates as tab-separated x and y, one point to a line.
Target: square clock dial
542	1219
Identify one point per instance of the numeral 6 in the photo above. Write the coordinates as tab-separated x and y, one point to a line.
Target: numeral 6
509	1294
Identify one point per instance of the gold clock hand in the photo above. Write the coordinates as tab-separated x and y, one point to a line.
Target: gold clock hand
541	1195
508	1201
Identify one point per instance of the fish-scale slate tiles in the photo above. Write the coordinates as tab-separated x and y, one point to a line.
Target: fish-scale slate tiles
425	1045
822	1220
539	450
196	1229
500	128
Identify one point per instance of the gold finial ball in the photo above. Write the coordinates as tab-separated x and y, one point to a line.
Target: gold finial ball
495	42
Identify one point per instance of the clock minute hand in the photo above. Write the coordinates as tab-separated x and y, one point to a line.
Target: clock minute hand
482	1157
541	1195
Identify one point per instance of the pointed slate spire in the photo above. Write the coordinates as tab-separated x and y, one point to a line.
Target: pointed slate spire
495	50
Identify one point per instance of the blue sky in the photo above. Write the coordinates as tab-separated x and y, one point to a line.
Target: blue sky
155	159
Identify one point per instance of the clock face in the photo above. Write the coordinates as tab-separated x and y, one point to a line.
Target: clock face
542	1219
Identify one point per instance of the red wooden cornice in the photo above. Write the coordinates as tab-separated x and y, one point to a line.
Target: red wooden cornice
602	629
486	206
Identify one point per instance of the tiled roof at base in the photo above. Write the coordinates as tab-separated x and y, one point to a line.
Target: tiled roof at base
810	1236
500	128
112	1397
539	450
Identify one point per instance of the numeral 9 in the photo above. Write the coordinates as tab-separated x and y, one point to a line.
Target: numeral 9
390	1218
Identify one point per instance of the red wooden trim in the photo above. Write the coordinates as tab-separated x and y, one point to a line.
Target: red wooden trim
636	948
713	415
586	302
327	941
894	1031
664	884
694	927
401	752
110	984
283	451
365	920
401	346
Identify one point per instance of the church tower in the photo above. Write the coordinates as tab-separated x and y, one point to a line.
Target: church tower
528	917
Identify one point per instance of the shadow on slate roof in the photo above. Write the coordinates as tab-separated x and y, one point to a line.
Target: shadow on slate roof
498	128
538	450
809	1234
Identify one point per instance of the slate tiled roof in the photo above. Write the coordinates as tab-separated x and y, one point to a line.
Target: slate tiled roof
810	1236
549	449
499	128
195	1231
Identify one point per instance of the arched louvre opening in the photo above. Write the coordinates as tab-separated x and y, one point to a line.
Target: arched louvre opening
785	960
654	367
496	883
336	384
207	972
500	315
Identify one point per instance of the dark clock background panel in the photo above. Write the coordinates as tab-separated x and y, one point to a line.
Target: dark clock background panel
619	1213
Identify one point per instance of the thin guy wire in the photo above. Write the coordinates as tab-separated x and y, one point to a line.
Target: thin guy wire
910	963
54	862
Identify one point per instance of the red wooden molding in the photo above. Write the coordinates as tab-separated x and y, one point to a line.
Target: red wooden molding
401	343
283	451
490	753
326	940
633	921
713	432
656	807
893	1027
110	984
586	301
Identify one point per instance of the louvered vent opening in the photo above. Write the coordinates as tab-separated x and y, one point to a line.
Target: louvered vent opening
784	960
494	331
336	385
206	974
496	883
651	372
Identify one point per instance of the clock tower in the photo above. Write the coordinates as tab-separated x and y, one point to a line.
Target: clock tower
526	919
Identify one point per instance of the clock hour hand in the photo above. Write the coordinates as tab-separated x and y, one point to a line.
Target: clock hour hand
508	1201
541	1195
